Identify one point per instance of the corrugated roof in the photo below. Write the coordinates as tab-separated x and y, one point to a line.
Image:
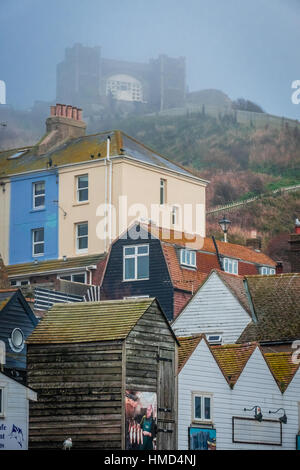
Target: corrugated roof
80	150
277	308
282	366
89	321
54	265
232	359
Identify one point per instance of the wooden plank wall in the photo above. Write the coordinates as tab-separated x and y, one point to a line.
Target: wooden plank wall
143	346
79	395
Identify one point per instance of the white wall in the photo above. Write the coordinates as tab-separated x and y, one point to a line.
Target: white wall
15	414
213	309
255	386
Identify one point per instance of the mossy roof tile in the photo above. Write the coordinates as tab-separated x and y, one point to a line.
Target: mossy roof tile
89	321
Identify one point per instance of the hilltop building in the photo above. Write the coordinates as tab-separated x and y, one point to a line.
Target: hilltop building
86	78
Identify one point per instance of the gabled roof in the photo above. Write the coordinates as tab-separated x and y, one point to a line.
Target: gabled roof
276	304
187	347
236	286
55	265
80	149
282	367
8	295
232	358
89	321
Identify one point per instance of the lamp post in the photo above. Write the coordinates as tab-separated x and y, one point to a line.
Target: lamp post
224	224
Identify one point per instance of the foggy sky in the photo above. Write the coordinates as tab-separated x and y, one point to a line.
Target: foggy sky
245	48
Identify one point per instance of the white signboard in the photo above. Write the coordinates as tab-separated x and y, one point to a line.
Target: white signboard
13	435
2	92
251	431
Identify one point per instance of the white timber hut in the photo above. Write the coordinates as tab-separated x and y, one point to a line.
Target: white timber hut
235	397
219	309
14	410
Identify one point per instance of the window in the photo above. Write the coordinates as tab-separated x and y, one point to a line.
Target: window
82	188
230	265
188	258
135	262
76	277
214	339
132	297
175	210
266	270
20	282
38	242
16	340
39	195
202	404
82	237
163	190
1	401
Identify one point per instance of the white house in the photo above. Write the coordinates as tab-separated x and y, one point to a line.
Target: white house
219	308
14	413
221	388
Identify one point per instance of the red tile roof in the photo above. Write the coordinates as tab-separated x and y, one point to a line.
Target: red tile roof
182	278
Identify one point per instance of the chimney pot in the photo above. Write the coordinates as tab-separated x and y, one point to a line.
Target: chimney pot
52	110
279	267
79	114
64	110
69	111
74	113
58	109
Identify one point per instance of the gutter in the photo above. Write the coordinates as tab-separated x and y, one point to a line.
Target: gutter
218	254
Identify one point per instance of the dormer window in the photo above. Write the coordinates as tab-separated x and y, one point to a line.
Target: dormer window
231	265
266	270
188	258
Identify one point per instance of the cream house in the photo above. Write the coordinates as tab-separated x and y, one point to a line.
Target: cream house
101	196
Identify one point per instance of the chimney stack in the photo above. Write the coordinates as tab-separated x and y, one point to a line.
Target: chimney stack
254	242
64	123
294	253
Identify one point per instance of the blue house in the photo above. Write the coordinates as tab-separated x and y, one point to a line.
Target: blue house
17	321
33	217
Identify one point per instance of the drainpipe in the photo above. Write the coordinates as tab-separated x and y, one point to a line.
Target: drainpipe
218	254
110	182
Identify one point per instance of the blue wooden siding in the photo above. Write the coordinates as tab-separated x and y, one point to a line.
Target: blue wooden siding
16	314
24	218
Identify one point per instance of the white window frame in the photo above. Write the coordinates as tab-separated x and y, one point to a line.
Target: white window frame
35	196
132	297
81	250
80	189
202	395
216	341
162	191
234	263
18	282
35	255
183	258
136	255
3	397
267	270
174	215
59	276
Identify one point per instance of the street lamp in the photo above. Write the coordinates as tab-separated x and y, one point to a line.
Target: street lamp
224	224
